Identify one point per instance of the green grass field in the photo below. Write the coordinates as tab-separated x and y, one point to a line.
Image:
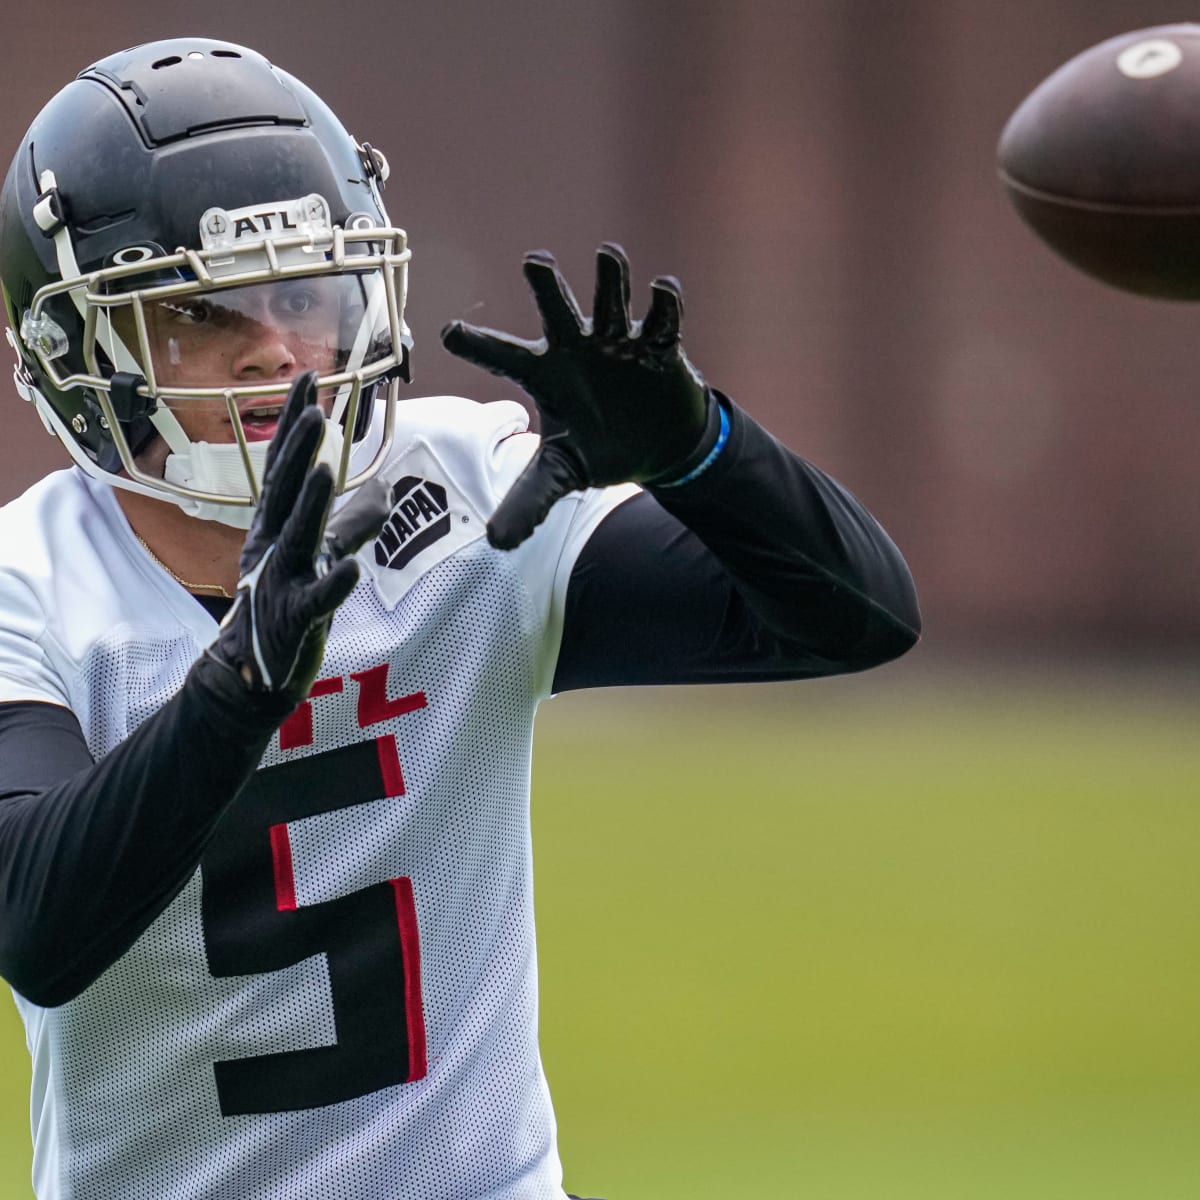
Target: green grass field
856	940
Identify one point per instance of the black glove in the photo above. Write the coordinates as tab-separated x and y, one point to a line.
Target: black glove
618	400
295	570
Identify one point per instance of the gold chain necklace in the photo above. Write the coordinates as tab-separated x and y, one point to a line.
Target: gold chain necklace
191	587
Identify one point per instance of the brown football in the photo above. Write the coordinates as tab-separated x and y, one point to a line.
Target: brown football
1102	160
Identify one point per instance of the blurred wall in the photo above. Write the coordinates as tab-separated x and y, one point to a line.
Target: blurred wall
820	174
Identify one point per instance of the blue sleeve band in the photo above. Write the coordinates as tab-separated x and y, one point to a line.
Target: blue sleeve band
709	458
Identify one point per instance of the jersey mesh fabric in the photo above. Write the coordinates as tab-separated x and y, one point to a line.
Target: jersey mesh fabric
449	676
145	1108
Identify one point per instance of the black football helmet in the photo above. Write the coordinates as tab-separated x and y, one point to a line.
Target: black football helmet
170	194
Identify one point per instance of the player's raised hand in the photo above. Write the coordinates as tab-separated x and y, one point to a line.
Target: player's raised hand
294	570
618	399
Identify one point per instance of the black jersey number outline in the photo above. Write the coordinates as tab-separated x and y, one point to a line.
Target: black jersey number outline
252	925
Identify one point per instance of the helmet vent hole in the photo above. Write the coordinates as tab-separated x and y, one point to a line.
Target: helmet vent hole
226	54
166	62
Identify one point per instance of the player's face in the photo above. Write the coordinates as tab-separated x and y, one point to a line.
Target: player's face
243	337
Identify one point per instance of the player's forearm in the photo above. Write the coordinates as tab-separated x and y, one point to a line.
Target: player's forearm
763	569
91	853
809	560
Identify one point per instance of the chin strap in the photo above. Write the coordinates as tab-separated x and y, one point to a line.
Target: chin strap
48	216
219	467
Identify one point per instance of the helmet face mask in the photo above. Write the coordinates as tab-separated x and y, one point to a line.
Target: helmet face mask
122	341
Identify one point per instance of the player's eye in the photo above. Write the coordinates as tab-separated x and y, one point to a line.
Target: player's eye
297	302
187	312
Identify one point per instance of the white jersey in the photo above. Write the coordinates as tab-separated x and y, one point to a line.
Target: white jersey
341	1003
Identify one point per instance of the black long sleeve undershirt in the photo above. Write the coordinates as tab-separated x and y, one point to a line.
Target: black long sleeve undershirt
91	852
763	568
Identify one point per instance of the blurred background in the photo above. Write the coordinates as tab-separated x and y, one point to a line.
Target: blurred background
927	932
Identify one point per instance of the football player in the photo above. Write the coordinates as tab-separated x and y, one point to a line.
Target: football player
271	649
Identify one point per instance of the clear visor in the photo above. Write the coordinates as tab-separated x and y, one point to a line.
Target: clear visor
212	338
256	336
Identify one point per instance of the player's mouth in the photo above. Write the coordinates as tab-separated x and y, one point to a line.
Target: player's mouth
261	420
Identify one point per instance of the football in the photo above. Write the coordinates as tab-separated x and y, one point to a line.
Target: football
1102	160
